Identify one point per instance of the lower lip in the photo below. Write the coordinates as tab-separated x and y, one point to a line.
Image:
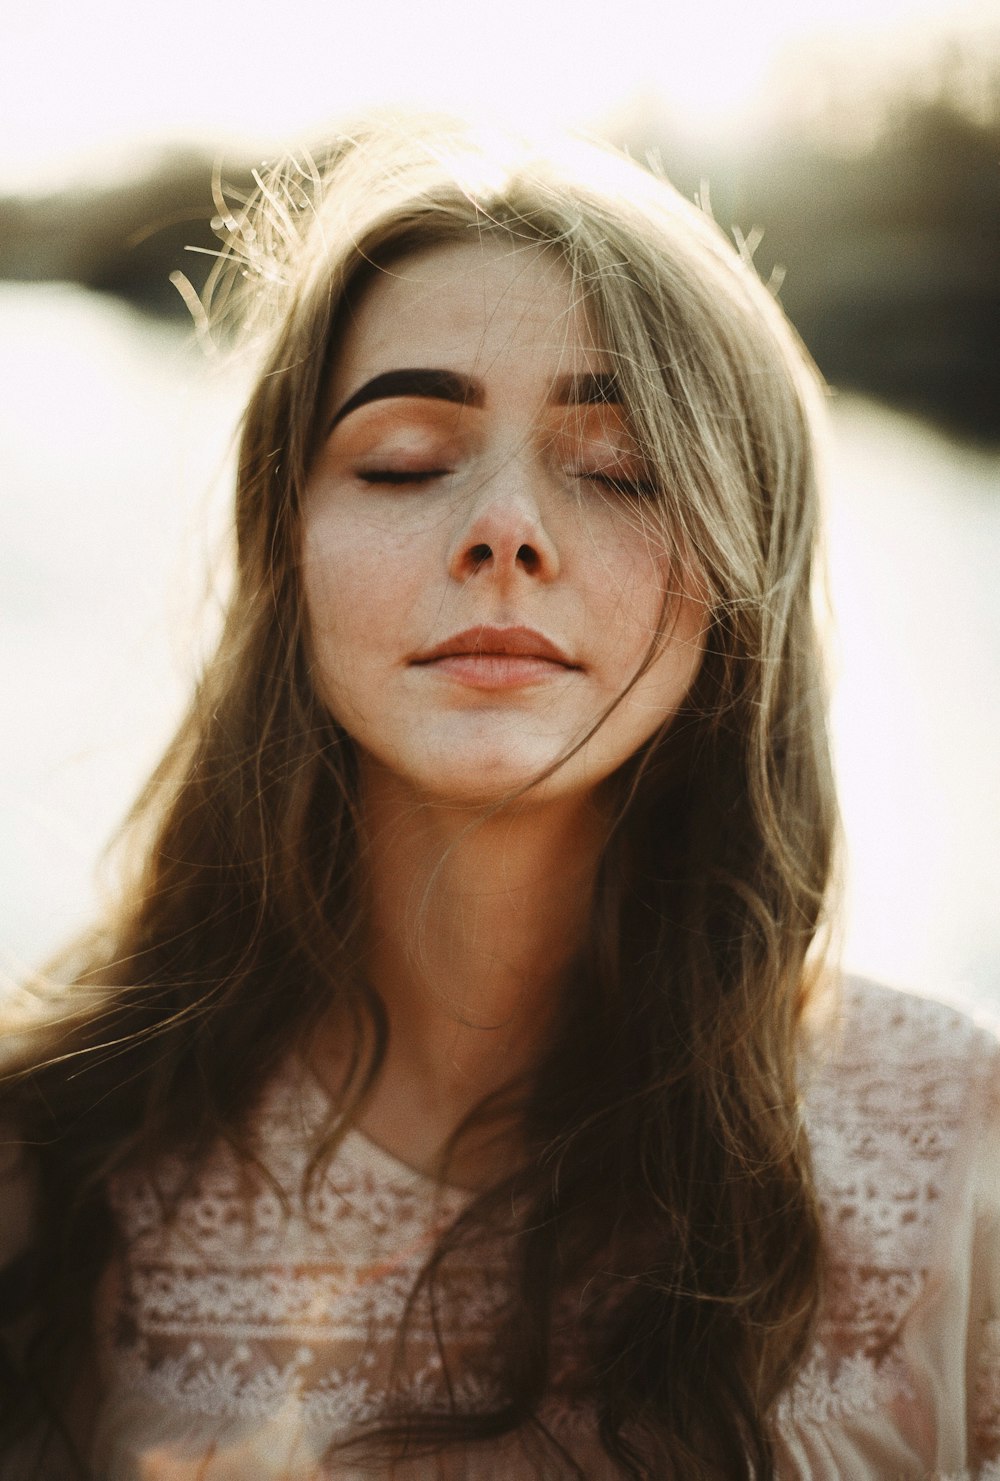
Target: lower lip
497	670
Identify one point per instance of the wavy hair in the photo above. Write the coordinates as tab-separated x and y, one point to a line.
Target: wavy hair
666	1172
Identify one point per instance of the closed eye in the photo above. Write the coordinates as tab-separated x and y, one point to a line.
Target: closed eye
395	477
632	488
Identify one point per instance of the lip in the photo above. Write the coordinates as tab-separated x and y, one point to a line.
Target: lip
497	642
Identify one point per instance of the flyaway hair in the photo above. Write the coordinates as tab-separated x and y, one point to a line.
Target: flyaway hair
664	1199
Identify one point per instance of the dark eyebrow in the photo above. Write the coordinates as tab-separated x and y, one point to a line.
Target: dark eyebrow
437	385
594	388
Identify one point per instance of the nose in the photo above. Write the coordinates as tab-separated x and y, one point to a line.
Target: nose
503	533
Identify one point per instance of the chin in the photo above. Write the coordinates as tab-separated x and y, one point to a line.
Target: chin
483	781
492	788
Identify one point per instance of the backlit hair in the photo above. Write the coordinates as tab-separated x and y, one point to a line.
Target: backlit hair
667	1172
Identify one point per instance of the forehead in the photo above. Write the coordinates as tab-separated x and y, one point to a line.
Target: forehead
484	309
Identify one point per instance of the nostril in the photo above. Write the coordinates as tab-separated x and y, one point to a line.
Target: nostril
480	554
527	557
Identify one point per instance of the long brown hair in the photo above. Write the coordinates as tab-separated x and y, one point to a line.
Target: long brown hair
667	1170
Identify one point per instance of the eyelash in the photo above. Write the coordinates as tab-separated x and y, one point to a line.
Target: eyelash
395	478
631	488
388	477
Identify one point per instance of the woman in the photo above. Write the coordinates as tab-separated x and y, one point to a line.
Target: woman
459	1089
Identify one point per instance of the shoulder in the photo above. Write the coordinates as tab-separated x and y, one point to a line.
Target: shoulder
901	1100
901	1094
898	1049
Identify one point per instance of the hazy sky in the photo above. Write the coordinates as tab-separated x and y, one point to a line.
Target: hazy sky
83	83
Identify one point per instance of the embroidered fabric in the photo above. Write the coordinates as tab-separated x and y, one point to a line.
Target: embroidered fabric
253	1293
261	1319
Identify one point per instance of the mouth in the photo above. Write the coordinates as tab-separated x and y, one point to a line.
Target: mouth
497	642
497	658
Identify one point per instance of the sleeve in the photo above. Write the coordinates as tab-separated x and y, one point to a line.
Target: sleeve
983	1361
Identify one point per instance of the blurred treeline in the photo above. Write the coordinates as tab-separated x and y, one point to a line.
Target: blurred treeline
888	255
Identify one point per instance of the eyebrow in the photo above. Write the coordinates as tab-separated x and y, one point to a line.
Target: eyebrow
435	385
590	389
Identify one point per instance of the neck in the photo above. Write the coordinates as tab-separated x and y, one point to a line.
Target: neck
475	920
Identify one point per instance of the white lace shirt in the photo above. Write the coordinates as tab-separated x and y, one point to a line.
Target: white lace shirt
255	1327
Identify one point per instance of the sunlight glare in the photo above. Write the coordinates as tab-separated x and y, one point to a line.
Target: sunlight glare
231	75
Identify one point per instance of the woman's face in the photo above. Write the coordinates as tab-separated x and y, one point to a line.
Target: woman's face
478	583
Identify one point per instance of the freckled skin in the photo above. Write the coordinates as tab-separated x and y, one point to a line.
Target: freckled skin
424	519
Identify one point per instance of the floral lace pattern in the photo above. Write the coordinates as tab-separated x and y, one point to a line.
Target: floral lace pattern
883	1135
252	1297
249	1296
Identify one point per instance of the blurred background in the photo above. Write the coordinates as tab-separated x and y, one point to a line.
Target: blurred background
852	145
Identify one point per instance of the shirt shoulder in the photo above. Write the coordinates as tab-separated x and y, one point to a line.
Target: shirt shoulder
900	1093
884	1054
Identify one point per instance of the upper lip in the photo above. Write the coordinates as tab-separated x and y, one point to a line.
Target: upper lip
520	642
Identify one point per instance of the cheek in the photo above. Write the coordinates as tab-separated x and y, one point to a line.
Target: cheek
652	602
639	598
662	689
347	553
676	666
345	569
338	591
